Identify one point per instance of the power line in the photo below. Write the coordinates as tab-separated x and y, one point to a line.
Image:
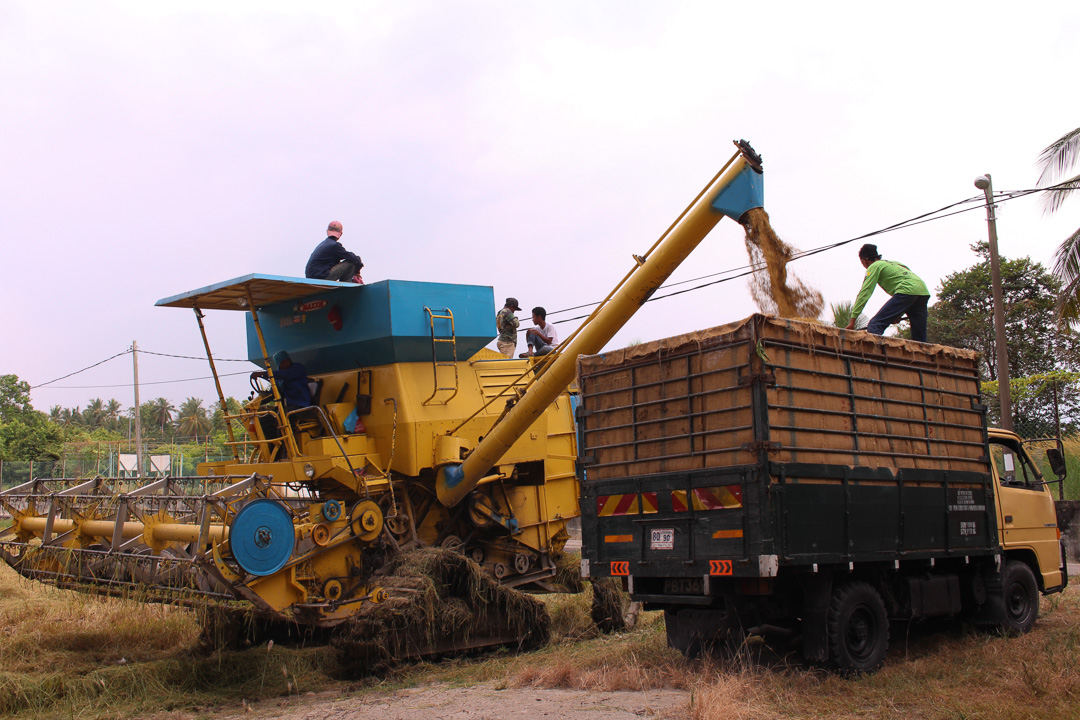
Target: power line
190	357
125	352
142	384
744	270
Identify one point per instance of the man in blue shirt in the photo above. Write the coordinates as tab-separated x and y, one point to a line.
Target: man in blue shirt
292	381
331	261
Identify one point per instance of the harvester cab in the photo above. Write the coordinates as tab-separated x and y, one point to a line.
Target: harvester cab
416	436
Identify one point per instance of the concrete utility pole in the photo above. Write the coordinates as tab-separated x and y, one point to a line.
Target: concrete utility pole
138	416
1004	393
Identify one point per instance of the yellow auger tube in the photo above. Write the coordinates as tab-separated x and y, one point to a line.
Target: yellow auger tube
454	481
161	532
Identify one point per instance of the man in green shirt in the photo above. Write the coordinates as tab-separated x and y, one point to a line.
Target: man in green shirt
909	294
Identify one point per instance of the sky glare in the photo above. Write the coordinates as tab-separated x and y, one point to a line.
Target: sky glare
154	148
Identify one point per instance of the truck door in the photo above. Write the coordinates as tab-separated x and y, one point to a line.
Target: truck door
1026	515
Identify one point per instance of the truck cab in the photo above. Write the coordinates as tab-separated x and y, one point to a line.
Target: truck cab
1027	519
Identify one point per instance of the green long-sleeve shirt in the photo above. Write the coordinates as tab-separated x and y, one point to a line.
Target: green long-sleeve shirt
893	277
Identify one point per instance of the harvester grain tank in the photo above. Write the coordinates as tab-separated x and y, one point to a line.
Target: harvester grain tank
417	436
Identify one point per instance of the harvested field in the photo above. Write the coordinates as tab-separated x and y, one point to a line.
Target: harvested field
66	655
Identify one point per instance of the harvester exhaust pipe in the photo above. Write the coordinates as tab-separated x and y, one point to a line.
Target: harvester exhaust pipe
736	189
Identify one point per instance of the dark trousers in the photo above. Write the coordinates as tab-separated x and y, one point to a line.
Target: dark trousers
914	306
342	272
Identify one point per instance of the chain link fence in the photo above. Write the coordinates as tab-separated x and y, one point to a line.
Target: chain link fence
88	460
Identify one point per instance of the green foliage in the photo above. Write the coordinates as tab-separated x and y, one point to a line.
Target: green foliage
841	312
1038	345
25	433
1056	161
14	398
192	419
31	437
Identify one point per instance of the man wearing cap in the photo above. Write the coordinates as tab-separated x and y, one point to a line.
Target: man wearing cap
330	260
506	323
909	294
292	381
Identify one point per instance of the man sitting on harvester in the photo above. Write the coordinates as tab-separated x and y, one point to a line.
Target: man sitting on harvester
292	381
331	261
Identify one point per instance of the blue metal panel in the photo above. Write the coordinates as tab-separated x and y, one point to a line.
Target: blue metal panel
745	192
366	325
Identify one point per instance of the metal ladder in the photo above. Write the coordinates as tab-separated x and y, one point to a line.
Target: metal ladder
443	314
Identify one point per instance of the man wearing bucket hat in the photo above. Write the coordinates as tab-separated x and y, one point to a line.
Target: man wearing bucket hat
506	323
909	294
330	260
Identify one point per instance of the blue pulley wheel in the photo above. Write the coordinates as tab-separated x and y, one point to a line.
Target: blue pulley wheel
262	536
331	510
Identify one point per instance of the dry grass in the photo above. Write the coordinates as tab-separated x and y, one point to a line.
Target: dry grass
60	656
64	654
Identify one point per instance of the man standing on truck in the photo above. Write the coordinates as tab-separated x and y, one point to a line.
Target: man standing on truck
506	323
909	294
331	261
541	339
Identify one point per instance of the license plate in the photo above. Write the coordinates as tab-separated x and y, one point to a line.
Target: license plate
662	539
683	586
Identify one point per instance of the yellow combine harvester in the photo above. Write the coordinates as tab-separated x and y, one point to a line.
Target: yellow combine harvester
456	446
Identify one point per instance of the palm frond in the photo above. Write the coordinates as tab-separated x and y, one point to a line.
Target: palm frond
1067	269
1059	156
1067	259
1053	199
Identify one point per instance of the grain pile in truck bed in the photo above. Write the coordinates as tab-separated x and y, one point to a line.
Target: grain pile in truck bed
827	396
440	602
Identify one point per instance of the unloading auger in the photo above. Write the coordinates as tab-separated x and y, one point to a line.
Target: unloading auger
453	445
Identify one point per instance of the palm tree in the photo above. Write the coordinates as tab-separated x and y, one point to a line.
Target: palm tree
71	416
1057	160
192	419
842	315
111	414
162	411
94	413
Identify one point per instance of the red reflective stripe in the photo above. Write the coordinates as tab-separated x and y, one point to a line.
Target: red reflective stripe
648	502
678	500
624	504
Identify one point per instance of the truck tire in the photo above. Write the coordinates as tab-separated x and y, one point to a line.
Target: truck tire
858	628
1021	598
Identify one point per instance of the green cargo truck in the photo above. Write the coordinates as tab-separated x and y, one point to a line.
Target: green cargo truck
777	474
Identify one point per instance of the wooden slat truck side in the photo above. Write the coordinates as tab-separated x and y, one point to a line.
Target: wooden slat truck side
777	474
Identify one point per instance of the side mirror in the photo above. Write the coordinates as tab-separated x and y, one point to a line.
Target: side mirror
1057	462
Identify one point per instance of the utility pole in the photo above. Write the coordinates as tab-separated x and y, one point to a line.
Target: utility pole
138	416
1004	389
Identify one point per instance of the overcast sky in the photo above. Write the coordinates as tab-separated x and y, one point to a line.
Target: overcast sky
151	148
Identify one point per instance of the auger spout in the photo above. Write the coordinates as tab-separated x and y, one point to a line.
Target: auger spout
736	189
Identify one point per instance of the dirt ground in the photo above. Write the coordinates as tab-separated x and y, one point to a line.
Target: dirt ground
480	702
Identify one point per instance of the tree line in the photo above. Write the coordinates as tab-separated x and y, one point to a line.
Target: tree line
28	434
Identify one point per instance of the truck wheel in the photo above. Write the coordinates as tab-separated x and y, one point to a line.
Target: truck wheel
1021	598
858	628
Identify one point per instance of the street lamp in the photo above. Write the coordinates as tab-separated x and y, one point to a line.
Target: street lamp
1004	393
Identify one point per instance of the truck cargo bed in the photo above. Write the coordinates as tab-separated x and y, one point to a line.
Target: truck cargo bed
736	450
